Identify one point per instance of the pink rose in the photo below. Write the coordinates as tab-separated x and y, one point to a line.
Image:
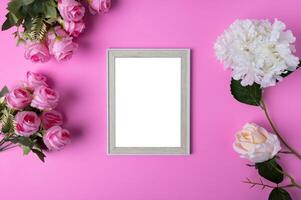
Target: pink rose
60	32
27	123
63	48
51	118
71	10
18	98
56	138
53	35
74	28
45	98
37	52
99	6
35	80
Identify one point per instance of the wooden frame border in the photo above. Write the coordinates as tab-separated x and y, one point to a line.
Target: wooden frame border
185	101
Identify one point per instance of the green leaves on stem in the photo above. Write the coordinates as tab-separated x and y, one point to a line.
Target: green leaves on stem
28	144
270	170
273	172
33	15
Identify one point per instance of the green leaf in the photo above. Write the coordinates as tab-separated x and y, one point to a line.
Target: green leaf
279	194
38	7
11	20
4	91
27	2
53	3
28	22
270	170
25	141
40	154
26	150
250	95
38	30
50	12
7	24
14	5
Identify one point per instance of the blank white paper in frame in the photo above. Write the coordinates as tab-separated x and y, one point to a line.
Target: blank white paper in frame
148	101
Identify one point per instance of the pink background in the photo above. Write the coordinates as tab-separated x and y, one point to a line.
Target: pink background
83	171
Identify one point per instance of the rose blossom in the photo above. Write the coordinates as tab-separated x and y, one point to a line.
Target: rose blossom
56	138
34	80
74	28
71	10
27	123
45	98
63	48
37	52
51	118
256	144
18	98
99	6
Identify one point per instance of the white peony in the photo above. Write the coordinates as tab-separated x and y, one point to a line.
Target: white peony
257	51
256	144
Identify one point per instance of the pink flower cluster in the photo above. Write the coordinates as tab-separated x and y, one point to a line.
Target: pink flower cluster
59	42
34	103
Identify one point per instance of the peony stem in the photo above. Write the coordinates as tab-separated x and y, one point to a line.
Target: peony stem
264	108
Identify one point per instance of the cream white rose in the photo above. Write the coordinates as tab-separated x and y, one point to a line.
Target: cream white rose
256	144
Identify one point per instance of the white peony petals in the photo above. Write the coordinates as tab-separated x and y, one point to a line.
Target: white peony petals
257	51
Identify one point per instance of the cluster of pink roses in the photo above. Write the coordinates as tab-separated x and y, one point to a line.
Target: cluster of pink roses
34	103
59	41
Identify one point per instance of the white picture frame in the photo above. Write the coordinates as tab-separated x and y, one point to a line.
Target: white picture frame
148	101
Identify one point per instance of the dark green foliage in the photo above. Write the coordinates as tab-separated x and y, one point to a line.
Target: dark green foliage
33	15
7	120
250	95
270	170
279	194
4	91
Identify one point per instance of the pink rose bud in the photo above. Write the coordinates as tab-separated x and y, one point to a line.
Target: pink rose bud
35	80
63	48
51	118
45	98
71	10
74	28
56	138
18	98
99	6
27	123
37	52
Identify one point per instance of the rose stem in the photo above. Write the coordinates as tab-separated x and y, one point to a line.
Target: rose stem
293	181
7	147
264	108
